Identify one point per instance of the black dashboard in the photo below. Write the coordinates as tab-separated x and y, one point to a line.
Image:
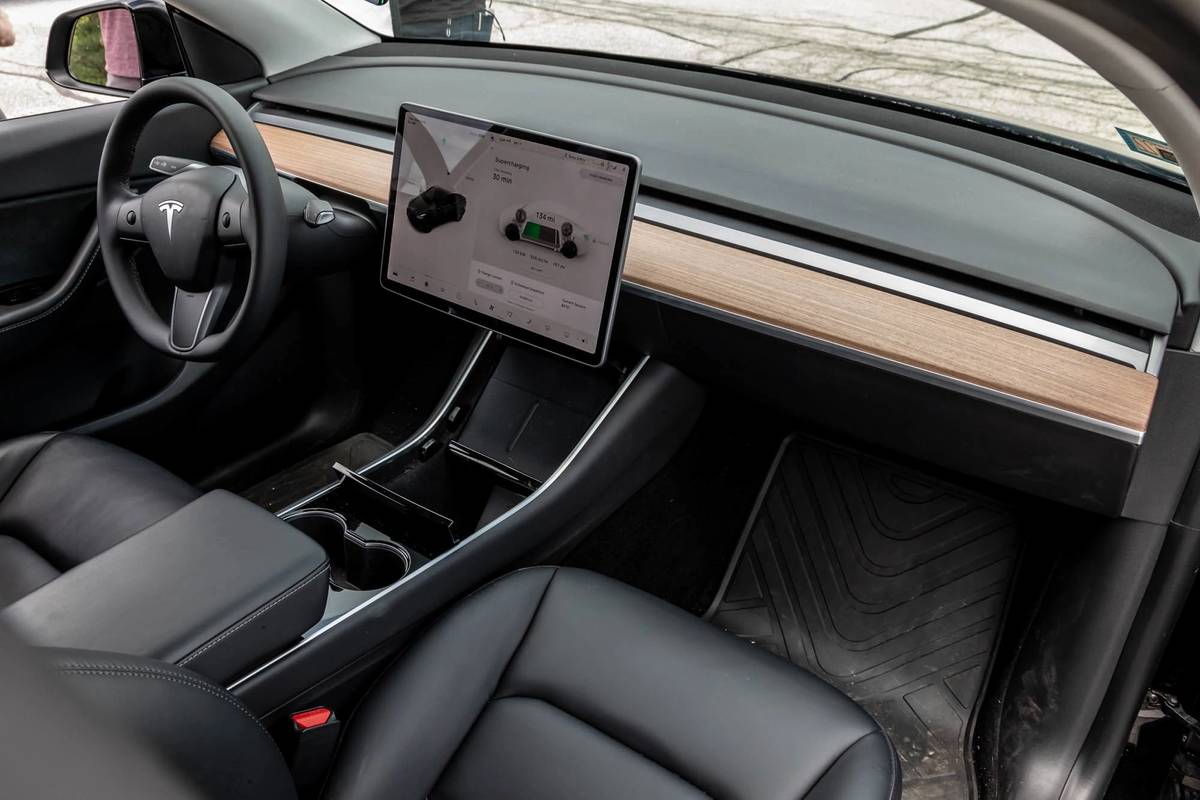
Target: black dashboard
976	217
1078	295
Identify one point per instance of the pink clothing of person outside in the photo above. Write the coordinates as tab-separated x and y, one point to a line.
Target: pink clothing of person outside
120	45
7	36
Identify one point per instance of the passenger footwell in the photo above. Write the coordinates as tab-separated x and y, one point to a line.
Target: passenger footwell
889	584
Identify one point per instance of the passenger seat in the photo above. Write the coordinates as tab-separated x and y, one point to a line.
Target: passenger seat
547	683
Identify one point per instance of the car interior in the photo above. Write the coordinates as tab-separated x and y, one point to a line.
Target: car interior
393	417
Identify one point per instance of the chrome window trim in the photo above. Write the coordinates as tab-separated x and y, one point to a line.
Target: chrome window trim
1158	350
323	628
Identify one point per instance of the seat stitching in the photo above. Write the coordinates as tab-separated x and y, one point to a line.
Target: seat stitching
79	282
321	571
605	734
123	671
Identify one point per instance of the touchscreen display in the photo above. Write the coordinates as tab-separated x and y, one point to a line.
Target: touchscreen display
516	231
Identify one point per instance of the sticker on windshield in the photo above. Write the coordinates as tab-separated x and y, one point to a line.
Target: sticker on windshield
1149	146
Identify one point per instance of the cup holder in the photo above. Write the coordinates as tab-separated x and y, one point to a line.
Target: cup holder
354	563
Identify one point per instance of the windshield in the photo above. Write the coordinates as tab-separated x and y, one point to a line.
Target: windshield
946	53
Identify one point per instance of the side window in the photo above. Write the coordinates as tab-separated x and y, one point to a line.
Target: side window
25	88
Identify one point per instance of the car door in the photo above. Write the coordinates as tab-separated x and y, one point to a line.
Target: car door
67	355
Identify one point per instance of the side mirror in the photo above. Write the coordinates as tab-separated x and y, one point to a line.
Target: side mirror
113	48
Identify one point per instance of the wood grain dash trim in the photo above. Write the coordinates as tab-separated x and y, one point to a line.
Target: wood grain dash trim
349	168
803	300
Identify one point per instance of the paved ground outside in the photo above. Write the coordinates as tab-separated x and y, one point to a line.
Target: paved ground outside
24	87
947	52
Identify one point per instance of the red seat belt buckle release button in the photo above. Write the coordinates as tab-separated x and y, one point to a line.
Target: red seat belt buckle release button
312	718
313	739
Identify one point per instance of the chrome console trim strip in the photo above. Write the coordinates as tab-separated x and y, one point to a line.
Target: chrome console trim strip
324	628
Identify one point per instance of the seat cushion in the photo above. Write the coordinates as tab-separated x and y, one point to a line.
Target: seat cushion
21	570
554	682
212	741
66	498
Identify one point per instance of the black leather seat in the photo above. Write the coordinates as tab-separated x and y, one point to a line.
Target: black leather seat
548	683
65	499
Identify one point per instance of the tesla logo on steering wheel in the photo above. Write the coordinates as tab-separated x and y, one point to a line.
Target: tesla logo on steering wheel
170	208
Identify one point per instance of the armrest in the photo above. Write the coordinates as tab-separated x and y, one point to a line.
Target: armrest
218	587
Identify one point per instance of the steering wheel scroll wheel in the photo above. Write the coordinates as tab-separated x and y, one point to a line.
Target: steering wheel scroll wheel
199	225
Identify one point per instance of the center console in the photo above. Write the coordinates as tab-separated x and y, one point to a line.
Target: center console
512	422
544	429
525	454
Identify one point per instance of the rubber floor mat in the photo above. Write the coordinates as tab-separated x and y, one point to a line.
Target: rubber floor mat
887	583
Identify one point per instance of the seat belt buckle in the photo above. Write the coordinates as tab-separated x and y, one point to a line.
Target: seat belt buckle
313	739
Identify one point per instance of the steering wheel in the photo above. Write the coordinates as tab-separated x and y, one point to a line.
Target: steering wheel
196	222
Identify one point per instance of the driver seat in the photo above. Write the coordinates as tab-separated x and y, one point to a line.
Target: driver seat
65	499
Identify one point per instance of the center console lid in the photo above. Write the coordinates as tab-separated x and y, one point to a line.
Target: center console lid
218	586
